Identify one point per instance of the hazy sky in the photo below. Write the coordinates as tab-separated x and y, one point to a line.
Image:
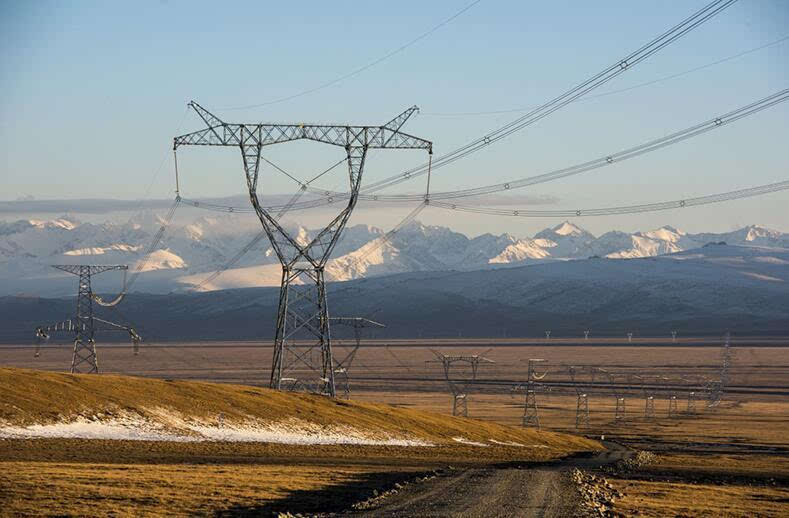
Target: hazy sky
93	93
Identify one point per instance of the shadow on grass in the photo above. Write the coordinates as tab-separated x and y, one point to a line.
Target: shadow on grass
331	499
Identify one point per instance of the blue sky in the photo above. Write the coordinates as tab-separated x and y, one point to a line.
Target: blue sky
93	93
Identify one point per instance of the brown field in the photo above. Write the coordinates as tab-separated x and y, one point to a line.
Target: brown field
731	460
183	489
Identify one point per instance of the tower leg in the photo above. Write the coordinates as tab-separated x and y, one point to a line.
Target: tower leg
302	343
581	411
619	412
460	405
531	417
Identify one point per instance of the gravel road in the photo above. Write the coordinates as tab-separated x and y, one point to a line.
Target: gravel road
543	491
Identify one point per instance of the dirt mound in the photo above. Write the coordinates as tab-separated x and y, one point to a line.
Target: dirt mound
53	405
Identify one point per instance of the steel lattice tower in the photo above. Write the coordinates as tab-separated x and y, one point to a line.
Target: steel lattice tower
649	407
715	389
581	395
672	406
649	397
531	415
84	324
459	386
691	409
302	302
342	366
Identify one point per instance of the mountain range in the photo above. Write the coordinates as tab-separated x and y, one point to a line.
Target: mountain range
189	253
701	292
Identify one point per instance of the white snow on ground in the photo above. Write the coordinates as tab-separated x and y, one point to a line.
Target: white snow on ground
463	440
513	443
128	429
137	428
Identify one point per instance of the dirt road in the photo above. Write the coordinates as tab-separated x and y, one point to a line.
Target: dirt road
544	491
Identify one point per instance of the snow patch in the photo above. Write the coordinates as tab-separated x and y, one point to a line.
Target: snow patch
127	429
463	440
762	277
101	250
160	260
513	443
137	428
54	223
771	260
568	229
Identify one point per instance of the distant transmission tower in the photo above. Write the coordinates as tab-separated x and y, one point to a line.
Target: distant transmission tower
672	406
303	306
671	391
691	409
531	415
619	396
717	388
85	324
649	397
342	366
459	383
581	397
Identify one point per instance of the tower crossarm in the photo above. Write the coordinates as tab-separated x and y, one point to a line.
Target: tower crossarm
112	326
94	269
46	330
219	133
356	322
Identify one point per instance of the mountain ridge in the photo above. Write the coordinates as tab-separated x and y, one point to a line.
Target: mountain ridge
703	291
190	252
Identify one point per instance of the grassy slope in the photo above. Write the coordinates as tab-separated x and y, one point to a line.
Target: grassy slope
30	396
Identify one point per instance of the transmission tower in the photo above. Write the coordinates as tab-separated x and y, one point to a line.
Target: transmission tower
581	396
717	388
649	396
341	367
691	409
692	383
458	386
672	406
302	303
619	396
85	324
531	415
671	390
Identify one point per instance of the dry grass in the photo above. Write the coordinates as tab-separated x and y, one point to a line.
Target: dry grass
28	396
730	461
706	485
660	499
84	489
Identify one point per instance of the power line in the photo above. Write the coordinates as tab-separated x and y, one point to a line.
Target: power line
627	209
621	90
626	63
609	73
362	68
619	156
602	161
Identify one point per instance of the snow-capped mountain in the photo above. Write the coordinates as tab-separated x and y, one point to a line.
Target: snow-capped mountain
702	292
189	253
